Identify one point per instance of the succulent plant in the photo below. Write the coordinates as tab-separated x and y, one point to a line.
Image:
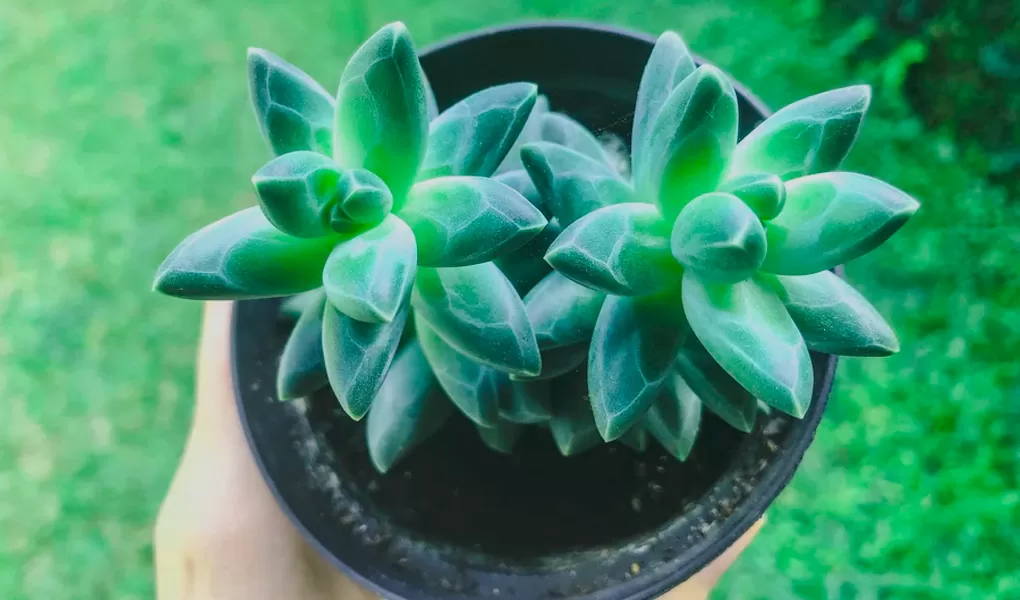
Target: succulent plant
496	259
712	265
382	208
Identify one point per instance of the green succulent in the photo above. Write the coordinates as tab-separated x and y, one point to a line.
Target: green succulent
713	262
376	208
496	259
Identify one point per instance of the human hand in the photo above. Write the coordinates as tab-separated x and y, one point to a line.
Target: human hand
220	534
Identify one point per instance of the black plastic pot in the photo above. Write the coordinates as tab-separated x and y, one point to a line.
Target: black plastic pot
456	520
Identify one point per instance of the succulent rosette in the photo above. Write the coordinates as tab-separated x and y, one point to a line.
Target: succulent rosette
705	280
383	209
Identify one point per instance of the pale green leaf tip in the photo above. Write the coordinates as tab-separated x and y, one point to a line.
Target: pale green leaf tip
611	429
381	463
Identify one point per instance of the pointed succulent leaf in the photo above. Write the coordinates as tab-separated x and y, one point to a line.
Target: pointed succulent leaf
501	437
562	312
473	136
571	184
369	276
473	387
358	356
477	311
297	192
363	200
812	135
669	64
716	388
572	426
560	129
532	132
675	417
622	249
746	329
292	307
719	238
381	110
409	408
832	218
302	367
243	256
294	112
526	266
559	361
835	318
632	352
525	402
461	221
762	193
636	438
690	142
520	182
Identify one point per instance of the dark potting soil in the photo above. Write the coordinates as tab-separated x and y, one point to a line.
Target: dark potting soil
455	490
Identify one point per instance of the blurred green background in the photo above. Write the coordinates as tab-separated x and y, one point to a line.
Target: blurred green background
124	125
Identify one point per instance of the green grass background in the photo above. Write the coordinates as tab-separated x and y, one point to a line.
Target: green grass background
124	125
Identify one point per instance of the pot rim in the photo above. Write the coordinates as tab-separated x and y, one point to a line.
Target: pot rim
779	471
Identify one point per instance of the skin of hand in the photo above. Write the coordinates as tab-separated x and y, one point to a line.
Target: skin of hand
220	534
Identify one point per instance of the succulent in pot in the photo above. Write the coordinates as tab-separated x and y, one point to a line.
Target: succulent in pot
383	209
495	275
714	260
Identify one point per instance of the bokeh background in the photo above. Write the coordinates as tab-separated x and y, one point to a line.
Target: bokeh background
124	125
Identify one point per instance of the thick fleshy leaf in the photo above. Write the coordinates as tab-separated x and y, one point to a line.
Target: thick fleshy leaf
302	368
716	388
762	193
477	311
363	200
835	318
532	132
562	312
381	110
632	352
292	307
669	64
502	437
525	402
520	182
358	356
832	218
718	237
474	388
622	249
559	361
297	192
526	266
571	184
572	426
369	276
675	417
636	438
473	136
461	221
690	142
294	112
812	135
243	256
746	329
409	408
560	129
